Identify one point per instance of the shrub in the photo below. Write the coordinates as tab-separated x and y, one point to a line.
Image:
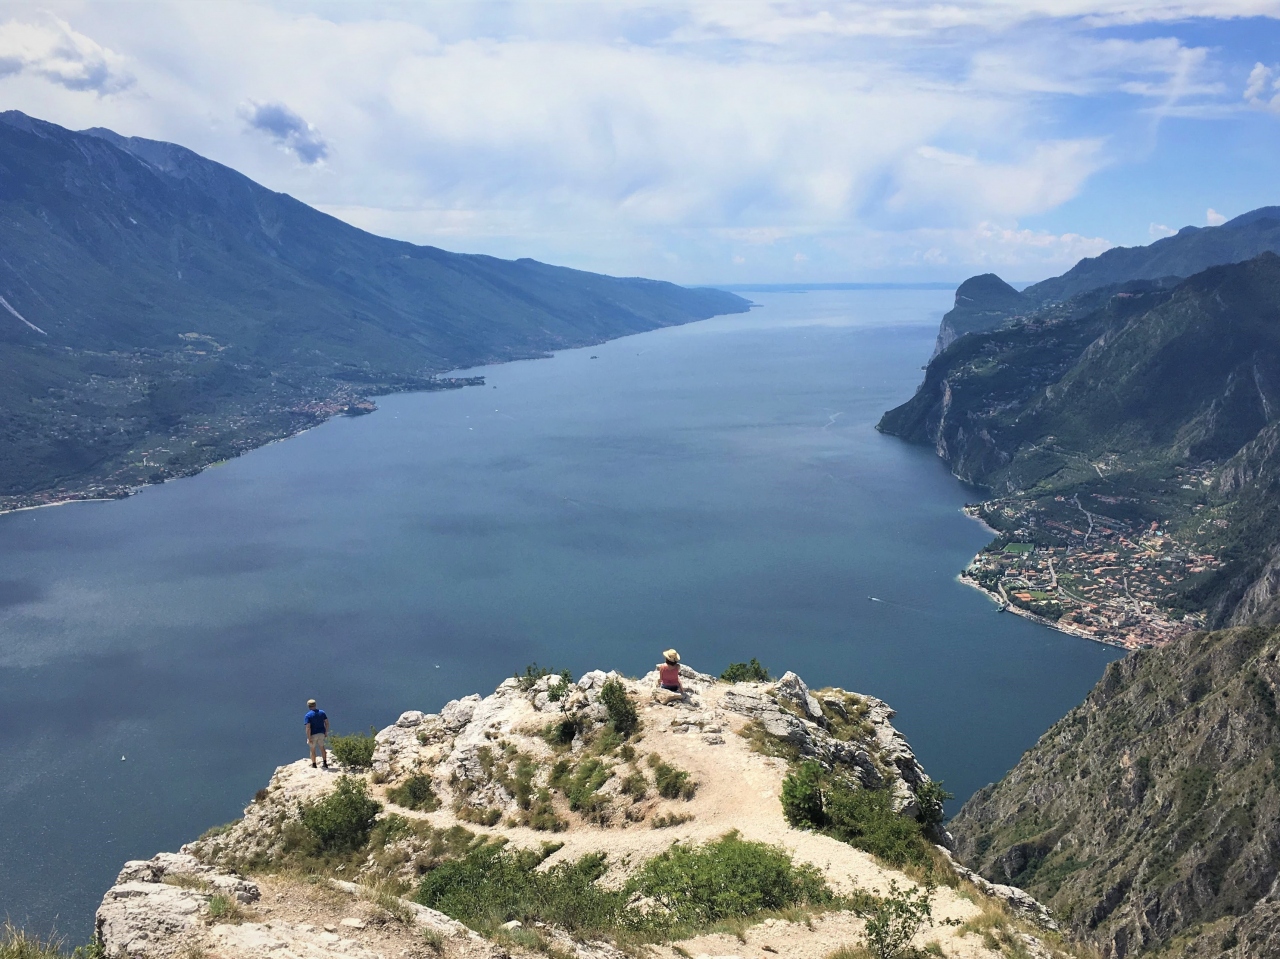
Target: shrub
622	711
932	800
225	909
562	733
802	798
532	673
672	783
726	879
580	784
342	821
751	672
864	818
492	885
355	750
635	786
415	793
893	921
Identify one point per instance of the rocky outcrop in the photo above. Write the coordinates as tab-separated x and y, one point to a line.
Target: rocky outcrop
536	765
841	730
157	906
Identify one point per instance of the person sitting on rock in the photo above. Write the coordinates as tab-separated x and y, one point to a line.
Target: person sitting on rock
317	726
669	672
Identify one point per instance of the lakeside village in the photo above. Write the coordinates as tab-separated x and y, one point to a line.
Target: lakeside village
1107	579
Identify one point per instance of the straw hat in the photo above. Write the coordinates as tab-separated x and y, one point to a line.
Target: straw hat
671	656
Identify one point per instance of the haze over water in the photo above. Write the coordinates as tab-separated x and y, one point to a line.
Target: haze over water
717	487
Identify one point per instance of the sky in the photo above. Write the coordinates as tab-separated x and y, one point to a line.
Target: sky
700	142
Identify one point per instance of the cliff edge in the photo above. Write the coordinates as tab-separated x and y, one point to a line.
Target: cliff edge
594	818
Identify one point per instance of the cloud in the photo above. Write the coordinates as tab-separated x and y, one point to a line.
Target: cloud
1262	90
51	50
287	129
1214	218
1158	231
674	137
934	183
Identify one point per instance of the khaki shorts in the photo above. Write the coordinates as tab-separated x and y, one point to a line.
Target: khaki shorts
317	740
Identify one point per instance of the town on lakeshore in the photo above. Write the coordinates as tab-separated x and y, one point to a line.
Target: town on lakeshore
1070	563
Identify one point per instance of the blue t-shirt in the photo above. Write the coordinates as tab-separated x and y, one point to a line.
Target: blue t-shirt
315	721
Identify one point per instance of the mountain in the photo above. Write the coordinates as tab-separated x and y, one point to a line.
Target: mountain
152	297
1149	817
1112	393
986	302
982	303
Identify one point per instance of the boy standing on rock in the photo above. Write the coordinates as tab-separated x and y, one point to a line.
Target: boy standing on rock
317	726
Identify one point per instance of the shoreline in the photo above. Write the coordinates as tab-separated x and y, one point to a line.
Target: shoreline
1036	618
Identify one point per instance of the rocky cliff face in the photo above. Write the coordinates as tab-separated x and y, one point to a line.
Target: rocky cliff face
982	303
503	767
1149	817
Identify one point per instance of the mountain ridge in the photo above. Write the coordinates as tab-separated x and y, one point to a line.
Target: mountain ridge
983	305
164	312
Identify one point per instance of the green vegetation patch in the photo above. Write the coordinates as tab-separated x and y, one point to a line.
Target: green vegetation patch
696	886
672	783
415	793
622	711
355	750
864	818
750	672
341	821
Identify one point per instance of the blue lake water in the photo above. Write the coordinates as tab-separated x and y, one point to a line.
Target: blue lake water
717	487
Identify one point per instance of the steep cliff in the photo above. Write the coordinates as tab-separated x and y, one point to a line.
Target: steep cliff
1149	817
1116	393
982	303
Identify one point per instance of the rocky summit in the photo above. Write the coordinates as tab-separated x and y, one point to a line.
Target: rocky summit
596	791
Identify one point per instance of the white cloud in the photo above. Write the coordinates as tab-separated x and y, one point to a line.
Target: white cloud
1158	231
1262	90
48	48
1214	218
632	136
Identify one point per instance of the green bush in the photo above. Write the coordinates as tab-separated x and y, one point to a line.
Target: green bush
622	711
341	821
581	783
727	879
415	793
355	750
751	672
892	922
864	818
932	800
492	885
672	783
532	673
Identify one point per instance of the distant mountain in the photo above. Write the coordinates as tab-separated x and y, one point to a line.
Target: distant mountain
1148	818
1114	389
984	302
161	310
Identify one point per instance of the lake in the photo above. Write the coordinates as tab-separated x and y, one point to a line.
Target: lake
717	487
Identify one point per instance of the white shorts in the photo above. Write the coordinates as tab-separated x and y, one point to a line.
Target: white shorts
317	740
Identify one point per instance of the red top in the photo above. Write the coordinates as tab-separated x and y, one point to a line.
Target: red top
669	674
